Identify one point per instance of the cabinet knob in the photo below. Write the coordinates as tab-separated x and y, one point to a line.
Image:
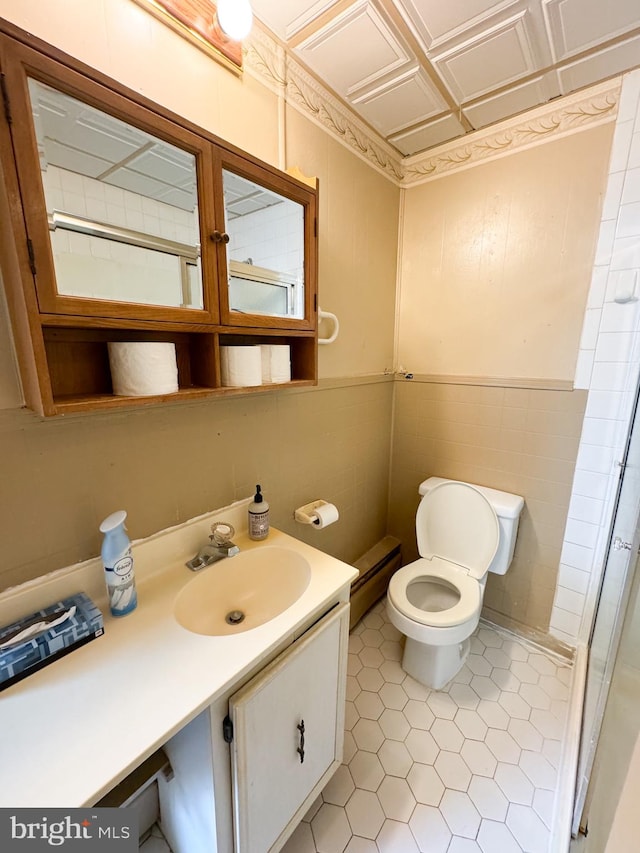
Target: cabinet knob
220	237
300	749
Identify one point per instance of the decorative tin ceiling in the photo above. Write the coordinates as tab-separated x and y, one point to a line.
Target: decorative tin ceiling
423	72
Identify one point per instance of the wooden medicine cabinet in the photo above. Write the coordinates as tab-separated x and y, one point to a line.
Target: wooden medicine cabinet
124	222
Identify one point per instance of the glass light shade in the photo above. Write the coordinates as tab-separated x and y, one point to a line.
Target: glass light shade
235	18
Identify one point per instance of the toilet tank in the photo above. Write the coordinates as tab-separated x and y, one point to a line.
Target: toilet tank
507	507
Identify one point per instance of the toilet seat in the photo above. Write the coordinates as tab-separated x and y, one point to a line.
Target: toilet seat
423	569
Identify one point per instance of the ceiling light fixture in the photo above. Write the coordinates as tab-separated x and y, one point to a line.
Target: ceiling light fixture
235	18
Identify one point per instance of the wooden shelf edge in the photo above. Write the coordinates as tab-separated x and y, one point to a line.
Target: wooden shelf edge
103	402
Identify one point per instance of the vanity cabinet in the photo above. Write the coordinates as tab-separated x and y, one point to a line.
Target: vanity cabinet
121	221
244	776
288	732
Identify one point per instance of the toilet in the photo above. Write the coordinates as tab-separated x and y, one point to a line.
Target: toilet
463	531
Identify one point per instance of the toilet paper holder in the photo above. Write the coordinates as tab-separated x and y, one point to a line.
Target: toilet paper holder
305	514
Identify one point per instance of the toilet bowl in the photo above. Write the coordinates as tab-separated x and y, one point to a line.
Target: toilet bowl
463	531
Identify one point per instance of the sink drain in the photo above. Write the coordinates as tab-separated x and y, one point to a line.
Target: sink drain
234	617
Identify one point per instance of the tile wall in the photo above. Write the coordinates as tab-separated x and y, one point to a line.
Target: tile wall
608	364
166	464
523	441
265	236
86	264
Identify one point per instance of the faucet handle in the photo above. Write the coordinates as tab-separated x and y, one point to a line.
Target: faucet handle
222	532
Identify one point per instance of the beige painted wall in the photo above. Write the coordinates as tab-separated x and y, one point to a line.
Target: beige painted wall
166	464
496	262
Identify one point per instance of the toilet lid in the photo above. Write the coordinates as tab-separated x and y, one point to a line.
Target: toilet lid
457	523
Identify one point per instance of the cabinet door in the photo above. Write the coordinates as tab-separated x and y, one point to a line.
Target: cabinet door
267	253
288	725
117	199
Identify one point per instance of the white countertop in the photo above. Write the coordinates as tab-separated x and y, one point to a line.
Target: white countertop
73	730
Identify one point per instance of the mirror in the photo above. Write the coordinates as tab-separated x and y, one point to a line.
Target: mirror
265	252
122	206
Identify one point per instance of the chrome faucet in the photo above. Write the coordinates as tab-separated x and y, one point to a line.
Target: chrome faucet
220	547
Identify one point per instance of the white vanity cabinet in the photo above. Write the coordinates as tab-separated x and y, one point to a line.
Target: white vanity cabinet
288	731
240	782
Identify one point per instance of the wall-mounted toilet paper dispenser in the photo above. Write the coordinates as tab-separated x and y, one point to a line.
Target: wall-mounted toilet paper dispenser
317	513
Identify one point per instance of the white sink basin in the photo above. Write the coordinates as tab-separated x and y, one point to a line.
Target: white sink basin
253	587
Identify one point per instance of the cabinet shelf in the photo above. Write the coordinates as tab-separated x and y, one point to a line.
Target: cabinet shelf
78	364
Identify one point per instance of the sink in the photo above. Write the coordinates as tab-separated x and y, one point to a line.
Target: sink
242	592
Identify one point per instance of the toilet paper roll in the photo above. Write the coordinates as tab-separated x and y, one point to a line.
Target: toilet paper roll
143	368
325	515
276	363
241	366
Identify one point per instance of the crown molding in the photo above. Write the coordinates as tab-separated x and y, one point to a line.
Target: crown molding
562	117
268	61
264	58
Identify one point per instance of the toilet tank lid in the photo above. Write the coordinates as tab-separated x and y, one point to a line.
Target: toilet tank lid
505	504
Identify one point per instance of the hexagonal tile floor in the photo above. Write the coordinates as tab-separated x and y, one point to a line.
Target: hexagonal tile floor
469	769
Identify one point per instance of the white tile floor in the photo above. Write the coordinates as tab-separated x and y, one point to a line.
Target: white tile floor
470	769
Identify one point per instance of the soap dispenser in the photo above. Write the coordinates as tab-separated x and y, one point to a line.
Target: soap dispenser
258	516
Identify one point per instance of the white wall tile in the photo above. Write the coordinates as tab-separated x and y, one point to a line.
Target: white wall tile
598	286
631	187
621	146
600	431
568	623
581	533
619	318
606	237
590	483
629	220
570	600
584	366
622	284
615	346
590	328
609	368
609	376
592	457
626	254
586	509
574	579
613	195
629	98
577	555
634	152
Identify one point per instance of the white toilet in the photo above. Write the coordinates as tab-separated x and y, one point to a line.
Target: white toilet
463	532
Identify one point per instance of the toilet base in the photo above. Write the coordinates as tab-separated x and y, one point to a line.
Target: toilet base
434	666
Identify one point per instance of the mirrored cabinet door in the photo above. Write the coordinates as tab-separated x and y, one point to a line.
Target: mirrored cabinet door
115	202
268	247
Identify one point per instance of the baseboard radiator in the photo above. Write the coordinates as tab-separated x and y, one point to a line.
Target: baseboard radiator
375	569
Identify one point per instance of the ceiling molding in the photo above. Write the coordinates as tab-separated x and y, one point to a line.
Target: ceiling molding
561	117
265	60
268	61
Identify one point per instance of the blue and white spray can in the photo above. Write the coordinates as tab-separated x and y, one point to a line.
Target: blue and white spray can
118	565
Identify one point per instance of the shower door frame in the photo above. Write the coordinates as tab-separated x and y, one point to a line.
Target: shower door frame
589	739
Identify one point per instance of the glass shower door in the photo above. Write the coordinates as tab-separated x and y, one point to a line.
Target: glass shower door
617	578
